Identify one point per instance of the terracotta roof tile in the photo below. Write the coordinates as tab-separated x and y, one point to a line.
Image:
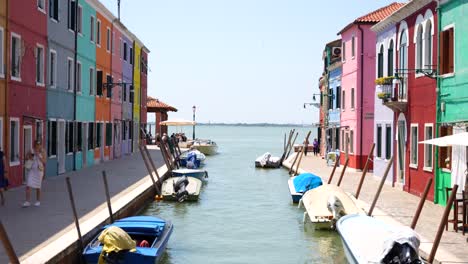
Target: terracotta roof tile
379	14
156	104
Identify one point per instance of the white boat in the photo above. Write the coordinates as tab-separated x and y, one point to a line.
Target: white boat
369	240
195	173
192	189
267	161
206	146
300	184
316	203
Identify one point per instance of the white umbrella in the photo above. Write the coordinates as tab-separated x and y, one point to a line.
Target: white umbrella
178	122
460	139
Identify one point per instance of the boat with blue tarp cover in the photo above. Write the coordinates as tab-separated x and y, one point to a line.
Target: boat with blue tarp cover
301	183
194	156
147	237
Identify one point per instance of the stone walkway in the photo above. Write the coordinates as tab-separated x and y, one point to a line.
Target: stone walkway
397	207
29	228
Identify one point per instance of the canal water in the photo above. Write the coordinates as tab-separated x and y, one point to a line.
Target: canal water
244	215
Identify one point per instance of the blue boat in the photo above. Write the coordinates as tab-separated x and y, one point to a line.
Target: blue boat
301	183
195	156
199	174
153	231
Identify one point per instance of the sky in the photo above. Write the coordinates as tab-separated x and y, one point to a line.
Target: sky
238	61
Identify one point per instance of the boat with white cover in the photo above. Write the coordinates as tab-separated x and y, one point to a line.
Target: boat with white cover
267	161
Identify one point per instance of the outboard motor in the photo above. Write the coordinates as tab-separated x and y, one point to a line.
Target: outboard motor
401	254
335	206
180	188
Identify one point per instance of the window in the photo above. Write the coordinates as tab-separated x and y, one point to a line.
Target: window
380	62
39	65
112	42
330	99
53	68
69	137
124	92
15	57
379	141
428	45
342	139
120	49
338	96
70	74
125	51
99	83
71	15
446	51
343	51
131	56
390	59
2	48
352	98
414	146
79	137
78	77
41	5
91	29
445	153
353	46
14	141
120	90
109	86
388	141
108	134
80	19
53	9
52	138
39	130
91	139
343	102
108	40
98	134
98	33
403	64
419	47
428	134
351	141
91	81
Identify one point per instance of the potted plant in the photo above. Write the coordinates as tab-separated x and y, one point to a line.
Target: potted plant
383	95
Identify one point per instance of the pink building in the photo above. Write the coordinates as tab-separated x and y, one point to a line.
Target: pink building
358	87
116	98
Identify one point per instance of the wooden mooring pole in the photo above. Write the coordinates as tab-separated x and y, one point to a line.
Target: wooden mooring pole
106	189
337	161
382	182
292	145
442	224
7	245
302	153
150	172
343	172
364	172
421	203
75	214
159	139
148	155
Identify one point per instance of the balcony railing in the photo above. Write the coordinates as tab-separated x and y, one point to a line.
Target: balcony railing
394	92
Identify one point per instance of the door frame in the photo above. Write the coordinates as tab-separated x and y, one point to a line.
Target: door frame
61	146
25	151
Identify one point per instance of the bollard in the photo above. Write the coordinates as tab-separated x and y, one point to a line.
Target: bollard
442	224
421	203
75	215
7	245
343	171
106	189
337	161
384	177
364	172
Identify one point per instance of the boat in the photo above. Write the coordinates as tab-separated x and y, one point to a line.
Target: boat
206	146
200	158
146	236
181	189
369	240
326	203
195	173
267	161
301	183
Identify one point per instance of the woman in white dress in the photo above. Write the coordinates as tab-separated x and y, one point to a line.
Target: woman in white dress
35	174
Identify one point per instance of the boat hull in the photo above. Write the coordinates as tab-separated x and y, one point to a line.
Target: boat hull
199	174
207	149
268	165
295	196
193	189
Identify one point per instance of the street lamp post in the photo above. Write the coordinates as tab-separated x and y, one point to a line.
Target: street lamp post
193	134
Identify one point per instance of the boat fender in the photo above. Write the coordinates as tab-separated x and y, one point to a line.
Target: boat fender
206	174
300	203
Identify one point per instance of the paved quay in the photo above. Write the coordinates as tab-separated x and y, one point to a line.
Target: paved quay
396	207
37	232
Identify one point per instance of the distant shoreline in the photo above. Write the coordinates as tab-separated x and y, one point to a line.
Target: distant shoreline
251	124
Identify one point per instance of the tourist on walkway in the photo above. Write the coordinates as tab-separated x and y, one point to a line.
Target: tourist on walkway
306	146
35	173
316	147
3	178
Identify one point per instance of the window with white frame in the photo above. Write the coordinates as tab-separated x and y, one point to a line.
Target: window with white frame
403	64
53	68
447	54
343	101
342	140
125	51
69	137
98	32
70	67
2	48
91	81
414	146
353	46
352	98
380	62
41	5
39	65
80	19
39	130
343	51
52	138
390	59
428	45
108	40
16	50
428	134
14	140
379	141
351	141
419	47
71	15
91	29
120	48
112	42
78	77
53	9
388	141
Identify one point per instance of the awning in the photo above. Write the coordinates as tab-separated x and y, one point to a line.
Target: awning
460	139
178	122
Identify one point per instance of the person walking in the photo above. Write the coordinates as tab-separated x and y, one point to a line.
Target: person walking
306	146
3	178
316	147
35	165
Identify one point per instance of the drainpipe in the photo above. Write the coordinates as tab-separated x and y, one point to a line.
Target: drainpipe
361	95
6	52
438	109
75	84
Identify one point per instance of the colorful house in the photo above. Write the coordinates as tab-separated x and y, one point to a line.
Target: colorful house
3	78
116	94
452	103
136	92
333	95
413	96
357	100
127	100
144	86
